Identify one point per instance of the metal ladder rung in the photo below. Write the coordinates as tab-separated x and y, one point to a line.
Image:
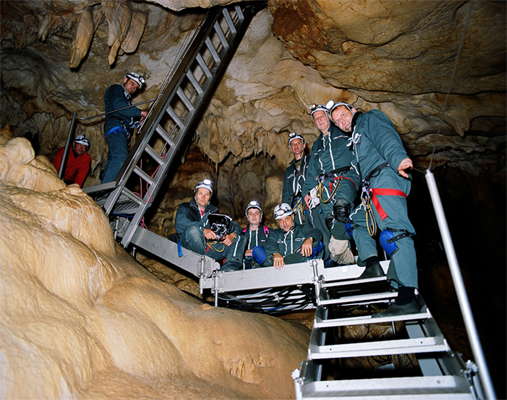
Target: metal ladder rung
194	82
153	154
419	387
203	66
358	298
239	13
143	175
132	196
212	50
175	117
378	348
354	282
164	135
221	35
183	97
228	20
320	322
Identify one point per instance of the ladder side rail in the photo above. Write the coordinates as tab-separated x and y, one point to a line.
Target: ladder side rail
68	144
158	109
459	286
178	74
191	121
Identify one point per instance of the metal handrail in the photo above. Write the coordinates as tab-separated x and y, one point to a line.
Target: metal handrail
67	145
457	279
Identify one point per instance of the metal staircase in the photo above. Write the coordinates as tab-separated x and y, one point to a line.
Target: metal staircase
180	104
341	301
436	372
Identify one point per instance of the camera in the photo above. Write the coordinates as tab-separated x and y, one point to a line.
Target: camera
220	224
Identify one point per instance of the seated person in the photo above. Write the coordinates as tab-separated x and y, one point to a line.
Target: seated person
291	243
255	234
78	162
195	231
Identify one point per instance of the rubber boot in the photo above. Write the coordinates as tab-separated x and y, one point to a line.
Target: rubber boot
406	303
372	269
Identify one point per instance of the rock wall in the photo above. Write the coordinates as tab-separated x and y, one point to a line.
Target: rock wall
81	319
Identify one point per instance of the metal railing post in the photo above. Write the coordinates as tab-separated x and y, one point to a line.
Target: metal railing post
67	145
457	279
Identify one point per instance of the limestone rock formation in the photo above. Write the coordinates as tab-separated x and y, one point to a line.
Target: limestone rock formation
81	319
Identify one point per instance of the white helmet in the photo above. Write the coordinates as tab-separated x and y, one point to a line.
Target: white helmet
205	184
253	204
282	210
137	78
317	107
295	135
82	139
331	105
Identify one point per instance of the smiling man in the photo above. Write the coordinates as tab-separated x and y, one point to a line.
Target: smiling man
383	164
290	243
330	171
194	228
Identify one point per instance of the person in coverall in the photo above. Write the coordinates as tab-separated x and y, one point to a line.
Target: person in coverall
121	119
331	185
254	235
78	162
295	176
194	228
290	243
382	162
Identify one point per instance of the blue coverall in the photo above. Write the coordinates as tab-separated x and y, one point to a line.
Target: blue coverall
117	129
293	181
330	163
190	225
377	153
288	244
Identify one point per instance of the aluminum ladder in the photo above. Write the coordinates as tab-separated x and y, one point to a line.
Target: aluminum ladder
436	373
176	111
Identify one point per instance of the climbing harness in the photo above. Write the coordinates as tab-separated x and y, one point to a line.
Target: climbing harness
368	197
334	183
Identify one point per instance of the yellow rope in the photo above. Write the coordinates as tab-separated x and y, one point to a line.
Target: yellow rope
371	225
211	244
320	190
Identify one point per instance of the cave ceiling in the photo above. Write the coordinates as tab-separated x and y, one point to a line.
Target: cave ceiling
436	68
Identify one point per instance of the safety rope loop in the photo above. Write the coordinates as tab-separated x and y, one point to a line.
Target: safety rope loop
320	190
212	246
371	224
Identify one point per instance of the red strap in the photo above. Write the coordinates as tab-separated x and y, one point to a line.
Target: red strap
339	178
384	192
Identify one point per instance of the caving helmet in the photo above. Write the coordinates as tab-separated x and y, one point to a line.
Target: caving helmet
295	135
82	139
205	184
317	107
137	78
331	105
253	204
282	210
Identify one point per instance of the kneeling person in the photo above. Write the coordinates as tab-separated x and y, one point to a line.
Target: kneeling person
290	243
194	226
